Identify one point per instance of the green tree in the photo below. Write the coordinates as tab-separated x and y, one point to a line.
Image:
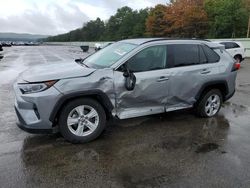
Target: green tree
126	23
227	18
140	23
93	30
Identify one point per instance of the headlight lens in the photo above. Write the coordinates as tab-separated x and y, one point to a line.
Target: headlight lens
35	87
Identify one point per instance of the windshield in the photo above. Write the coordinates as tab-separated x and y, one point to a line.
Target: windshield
109	55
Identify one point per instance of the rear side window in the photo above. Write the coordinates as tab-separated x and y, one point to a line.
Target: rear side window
235	45
230	45
183	54
212	57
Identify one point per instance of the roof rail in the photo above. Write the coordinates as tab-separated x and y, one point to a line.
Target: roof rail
161	39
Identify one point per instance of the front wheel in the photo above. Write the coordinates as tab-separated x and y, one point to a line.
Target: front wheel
209	104
82	120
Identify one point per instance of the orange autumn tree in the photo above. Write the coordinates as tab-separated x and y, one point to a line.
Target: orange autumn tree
182	18
156	23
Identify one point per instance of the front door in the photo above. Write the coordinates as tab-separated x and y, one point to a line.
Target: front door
150	93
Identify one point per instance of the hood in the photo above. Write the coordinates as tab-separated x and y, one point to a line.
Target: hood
55	71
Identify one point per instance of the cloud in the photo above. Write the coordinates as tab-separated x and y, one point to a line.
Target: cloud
52	17
105	8
50	20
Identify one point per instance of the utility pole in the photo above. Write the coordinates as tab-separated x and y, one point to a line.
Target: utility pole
248	29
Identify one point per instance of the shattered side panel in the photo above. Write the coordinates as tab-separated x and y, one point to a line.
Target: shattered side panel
102	80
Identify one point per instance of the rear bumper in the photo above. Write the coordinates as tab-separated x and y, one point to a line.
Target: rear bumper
228	96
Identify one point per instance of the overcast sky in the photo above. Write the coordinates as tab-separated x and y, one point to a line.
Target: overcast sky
52	17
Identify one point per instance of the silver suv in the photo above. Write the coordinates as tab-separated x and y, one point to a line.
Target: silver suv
130	78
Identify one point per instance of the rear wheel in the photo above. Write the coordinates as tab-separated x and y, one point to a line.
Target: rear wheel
238	58
209	104
82	120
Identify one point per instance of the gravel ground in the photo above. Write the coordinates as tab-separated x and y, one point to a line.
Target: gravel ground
174	149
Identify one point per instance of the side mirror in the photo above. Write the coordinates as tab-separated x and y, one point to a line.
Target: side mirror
79	60
130	79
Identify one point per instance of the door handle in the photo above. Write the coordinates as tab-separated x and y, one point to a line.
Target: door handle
162	78
205	71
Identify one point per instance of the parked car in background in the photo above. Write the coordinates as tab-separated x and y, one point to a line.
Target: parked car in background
235	49
85	48
6	44
101	46
1	49
127	79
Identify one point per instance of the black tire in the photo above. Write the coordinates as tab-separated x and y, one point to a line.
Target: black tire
238	58
200	106
63	127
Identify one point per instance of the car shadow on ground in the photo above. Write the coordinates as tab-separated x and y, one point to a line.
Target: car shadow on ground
170	131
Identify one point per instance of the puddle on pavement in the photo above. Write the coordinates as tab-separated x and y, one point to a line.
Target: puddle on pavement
235	109
244	84
204	148
141	147
158	135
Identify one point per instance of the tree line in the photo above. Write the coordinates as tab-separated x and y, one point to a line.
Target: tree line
179	18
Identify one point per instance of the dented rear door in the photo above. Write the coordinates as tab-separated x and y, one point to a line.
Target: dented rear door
191	68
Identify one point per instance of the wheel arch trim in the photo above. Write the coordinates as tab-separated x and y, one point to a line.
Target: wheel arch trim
103	98
211	84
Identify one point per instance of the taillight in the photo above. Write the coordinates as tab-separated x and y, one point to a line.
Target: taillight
236	66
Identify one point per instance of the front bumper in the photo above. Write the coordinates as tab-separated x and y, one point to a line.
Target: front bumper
33	110
23	126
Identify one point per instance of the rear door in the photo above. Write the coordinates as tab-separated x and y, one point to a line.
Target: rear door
191	66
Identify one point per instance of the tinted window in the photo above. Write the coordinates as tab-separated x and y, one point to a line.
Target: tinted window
183	54
212	57
230	45
235	45
151	58
227	45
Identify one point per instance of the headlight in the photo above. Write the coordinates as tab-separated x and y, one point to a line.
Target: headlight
35	87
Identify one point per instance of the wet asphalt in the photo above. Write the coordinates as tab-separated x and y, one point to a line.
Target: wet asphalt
175	149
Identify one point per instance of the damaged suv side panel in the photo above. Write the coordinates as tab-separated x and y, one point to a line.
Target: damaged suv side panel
130	78
102	81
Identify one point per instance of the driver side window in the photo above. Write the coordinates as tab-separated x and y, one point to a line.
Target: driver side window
151	58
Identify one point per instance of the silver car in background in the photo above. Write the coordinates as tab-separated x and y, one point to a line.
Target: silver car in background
127	79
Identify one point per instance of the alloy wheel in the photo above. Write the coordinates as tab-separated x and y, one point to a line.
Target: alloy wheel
212	105
83	120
